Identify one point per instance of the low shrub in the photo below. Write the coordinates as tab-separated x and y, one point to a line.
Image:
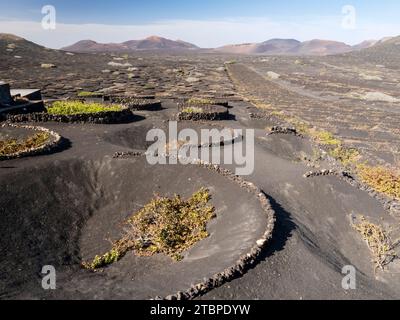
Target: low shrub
79	107
87	94
12	146
165	225
326	138
347	156
192	110
378	241
381	179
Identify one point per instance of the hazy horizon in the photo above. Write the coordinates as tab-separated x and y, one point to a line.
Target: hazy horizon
206	24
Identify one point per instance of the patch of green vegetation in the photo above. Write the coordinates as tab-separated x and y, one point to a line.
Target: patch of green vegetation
87	94
106	259
276	113
378	242
381	179
301	127
78	107
12	146
200	101
193	110
165	225
347	156
326	138
316	154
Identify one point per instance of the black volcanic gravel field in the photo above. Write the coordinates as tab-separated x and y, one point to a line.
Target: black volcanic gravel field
61	208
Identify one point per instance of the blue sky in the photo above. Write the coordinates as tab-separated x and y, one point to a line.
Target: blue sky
205	22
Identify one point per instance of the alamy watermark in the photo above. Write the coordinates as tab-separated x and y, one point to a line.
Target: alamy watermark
349	281
183	147
49	277
349	20
49	19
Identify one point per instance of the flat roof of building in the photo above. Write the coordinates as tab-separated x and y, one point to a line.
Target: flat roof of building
23	92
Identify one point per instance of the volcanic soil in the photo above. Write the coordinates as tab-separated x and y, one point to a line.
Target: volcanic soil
60	209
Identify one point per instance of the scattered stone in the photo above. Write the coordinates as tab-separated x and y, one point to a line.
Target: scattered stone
117	64
48	66
125	155
283	130
370	77
379	96
192	79
273	75
323	172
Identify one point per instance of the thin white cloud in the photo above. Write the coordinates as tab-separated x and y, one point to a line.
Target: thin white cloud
204	33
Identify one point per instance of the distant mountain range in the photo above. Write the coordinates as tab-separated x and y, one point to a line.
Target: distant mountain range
294	47
385	52
270	47
150	43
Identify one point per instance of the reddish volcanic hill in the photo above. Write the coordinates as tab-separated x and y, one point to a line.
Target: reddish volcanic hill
321	48
293	47
150	43
274	46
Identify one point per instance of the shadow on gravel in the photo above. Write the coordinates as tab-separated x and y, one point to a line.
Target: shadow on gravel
154	108
134	118
65	144
284	226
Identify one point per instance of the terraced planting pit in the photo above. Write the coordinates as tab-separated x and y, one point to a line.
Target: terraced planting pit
78	112
135	103
21	141
288	146
70	211
134	137
199	112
